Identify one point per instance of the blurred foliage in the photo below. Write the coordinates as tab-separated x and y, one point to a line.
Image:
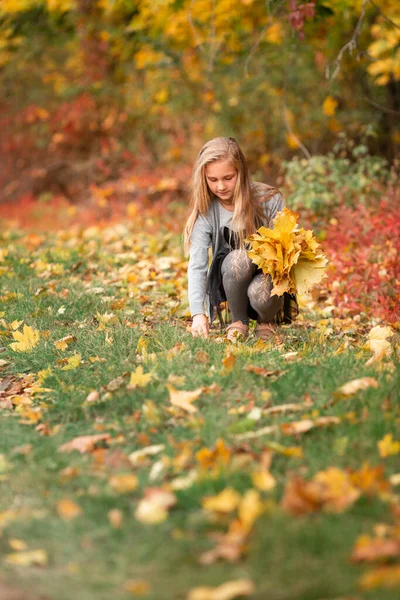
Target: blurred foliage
348	175
159	77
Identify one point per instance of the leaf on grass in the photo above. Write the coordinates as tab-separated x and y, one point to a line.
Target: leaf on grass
68	509
72	363
137	587
123	483
139	456
229	361
139	379
386	577
65	342
84	443
17	545
263	480
183	399
262	371
356	385
378	343
368	549
153	508
27	559
25	340
388	447
115	517
250	508
227	591
331	490
225	502
283	408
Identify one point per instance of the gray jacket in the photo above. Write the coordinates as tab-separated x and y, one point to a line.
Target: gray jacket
206	234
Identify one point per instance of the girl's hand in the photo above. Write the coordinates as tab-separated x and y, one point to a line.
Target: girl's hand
200	326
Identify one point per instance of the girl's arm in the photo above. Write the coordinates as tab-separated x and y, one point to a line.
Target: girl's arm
200	242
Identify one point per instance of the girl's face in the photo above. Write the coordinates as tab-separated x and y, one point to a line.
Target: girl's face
221	177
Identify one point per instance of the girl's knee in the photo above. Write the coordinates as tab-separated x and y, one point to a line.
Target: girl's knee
238	265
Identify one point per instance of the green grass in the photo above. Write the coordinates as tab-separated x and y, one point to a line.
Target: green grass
288	558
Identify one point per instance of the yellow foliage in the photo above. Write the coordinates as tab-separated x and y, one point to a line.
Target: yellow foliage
26	340
274	34
388	447
329	106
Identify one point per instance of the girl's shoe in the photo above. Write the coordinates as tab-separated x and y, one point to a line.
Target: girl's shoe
236	331
265	331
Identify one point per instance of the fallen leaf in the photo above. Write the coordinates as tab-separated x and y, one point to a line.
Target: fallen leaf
369	549
356	385
386	577
28	558
262	371
224	502
229	361
26	340
139	379
153	508
137	587
84	443
115	517
388	447
123	483
378	343
68	509
227	591
139	456
183	399
72	362
263	480
65	342
17	545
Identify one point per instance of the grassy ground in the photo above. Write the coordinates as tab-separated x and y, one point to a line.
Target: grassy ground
119	293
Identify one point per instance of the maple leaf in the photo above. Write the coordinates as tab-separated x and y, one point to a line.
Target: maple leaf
65	342
355	385
73	362
183	399
291	256
139	379
153	508
388	447
68	509
123	483
84	443
369	549
227	591
378	343
26	340
224	502
27	558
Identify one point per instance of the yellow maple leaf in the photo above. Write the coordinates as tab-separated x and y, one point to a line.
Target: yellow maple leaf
388	447
68	509
378	343
123	483
26	559
250	508
224	502
184	399
308	273
139	379
227	591
72	362
65	342
26	340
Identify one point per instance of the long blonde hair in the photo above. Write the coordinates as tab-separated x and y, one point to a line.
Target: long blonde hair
247	214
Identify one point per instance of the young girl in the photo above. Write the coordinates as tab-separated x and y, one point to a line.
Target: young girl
226	207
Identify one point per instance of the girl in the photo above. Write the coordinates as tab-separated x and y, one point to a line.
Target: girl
226	206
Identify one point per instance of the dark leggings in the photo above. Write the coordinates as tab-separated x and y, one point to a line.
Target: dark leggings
241	284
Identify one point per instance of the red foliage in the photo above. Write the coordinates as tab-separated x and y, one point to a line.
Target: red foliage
363	246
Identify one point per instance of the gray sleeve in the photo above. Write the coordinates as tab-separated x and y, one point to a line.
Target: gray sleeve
271	207
200	242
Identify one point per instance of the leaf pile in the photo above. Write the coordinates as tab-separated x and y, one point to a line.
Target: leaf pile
289	254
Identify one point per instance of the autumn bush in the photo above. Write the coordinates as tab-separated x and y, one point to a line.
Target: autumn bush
363	245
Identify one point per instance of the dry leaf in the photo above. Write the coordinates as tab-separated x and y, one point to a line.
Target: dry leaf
139	379
115	517
72	362
378	343
369	549
68	509
26	340
137	587
225	502
139	456
227	591
123	483
355	385
262	371
28	558
263	480
229	361
65	342
153	508
386	577
183	399
388	447
84	443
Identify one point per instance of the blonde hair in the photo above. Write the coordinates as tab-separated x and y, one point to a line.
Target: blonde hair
247	214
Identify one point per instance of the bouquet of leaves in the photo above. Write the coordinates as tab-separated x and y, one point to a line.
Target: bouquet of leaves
289	254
